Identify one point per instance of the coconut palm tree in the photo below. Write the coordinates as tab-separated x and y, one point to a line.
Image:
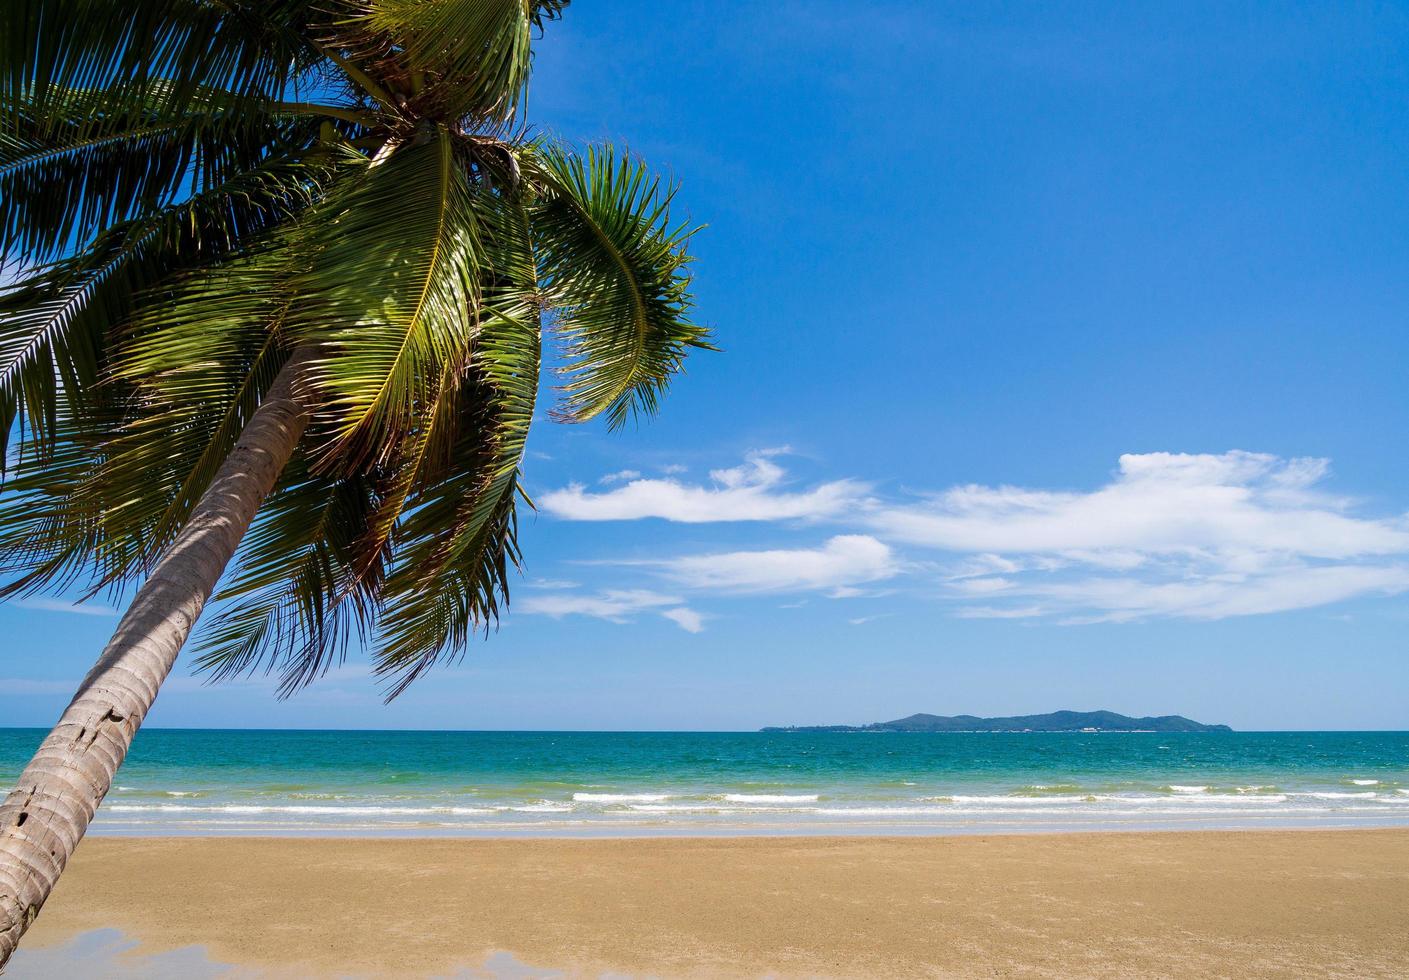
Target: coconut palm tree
278	273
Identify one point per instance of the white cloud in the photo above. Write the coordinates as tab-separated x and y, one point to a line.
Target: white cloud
552	583
1196	536
686	618
58	605
1158	504
620	476
841	563
993	612
1213	596
753	491
616	605
613	605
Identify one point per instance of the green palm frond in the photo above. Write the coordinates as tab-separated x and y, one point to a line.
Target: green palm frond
442	514
545	10
52	329
51	48
449	59
422	458
291	604
108	497
388	299
56	324
200	362
205	193
51	540
616	273
193	352
71	183
457	538
453	552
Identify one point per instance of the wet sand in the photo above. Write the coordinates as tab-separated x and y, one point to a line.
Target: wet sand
1225	904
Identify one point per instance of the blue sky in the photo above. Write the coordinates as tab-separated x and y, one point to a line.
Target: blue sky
1065	351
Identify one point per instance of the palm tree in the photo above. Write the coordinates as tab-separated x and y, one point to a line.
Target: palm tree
297	250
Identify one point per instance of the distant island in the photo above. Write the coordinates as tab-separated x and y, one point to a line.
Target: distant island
1057	721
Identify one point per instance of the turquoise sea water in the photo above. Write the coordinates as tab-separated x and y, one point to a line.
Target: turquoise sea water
586	783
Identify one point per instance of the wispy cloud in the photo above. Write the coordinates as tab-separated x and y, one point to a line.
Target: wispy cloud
753	491
1196	536
1158	504
612	605
687	619
58	605
1211	596
840	564
552	583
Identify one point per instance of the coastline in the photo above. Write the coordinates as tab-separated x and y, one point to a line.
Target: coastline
641	784
1187	903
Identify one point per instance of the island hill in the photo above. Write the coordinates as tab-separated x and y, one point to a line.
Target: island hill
1057	721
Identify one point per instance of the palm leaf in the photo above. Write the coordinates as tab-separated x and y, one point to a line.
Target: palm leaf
457	537
290	604
122	473
70	182
449	58
190	223
388	299
615	269
443	511
56	325
51	48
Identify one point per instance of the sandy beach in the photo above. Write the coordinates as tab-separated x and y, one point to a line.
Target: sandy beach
1235	904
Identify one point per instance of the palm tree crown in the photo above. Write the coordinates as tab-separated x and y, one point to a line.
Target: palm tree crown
197	193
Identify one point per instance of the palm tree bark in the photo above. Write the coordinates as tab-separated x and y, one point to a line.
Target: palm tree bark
45	816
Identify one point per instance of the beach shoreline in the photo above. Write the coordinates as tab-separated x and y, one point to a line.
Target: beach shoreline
1187	903
623	784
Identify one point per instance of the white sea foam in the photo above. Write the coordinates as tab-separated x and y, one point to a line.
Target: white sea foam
240	809
1154	806
544	806
140	808
882	811
708	799
1183	803
1013	801
713	808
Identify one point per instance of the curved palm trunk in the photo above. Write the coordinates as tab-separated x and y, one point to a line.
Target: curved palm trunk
43	819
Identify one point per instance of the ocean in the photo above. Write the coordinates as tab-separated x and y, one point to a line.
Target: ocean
180	782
